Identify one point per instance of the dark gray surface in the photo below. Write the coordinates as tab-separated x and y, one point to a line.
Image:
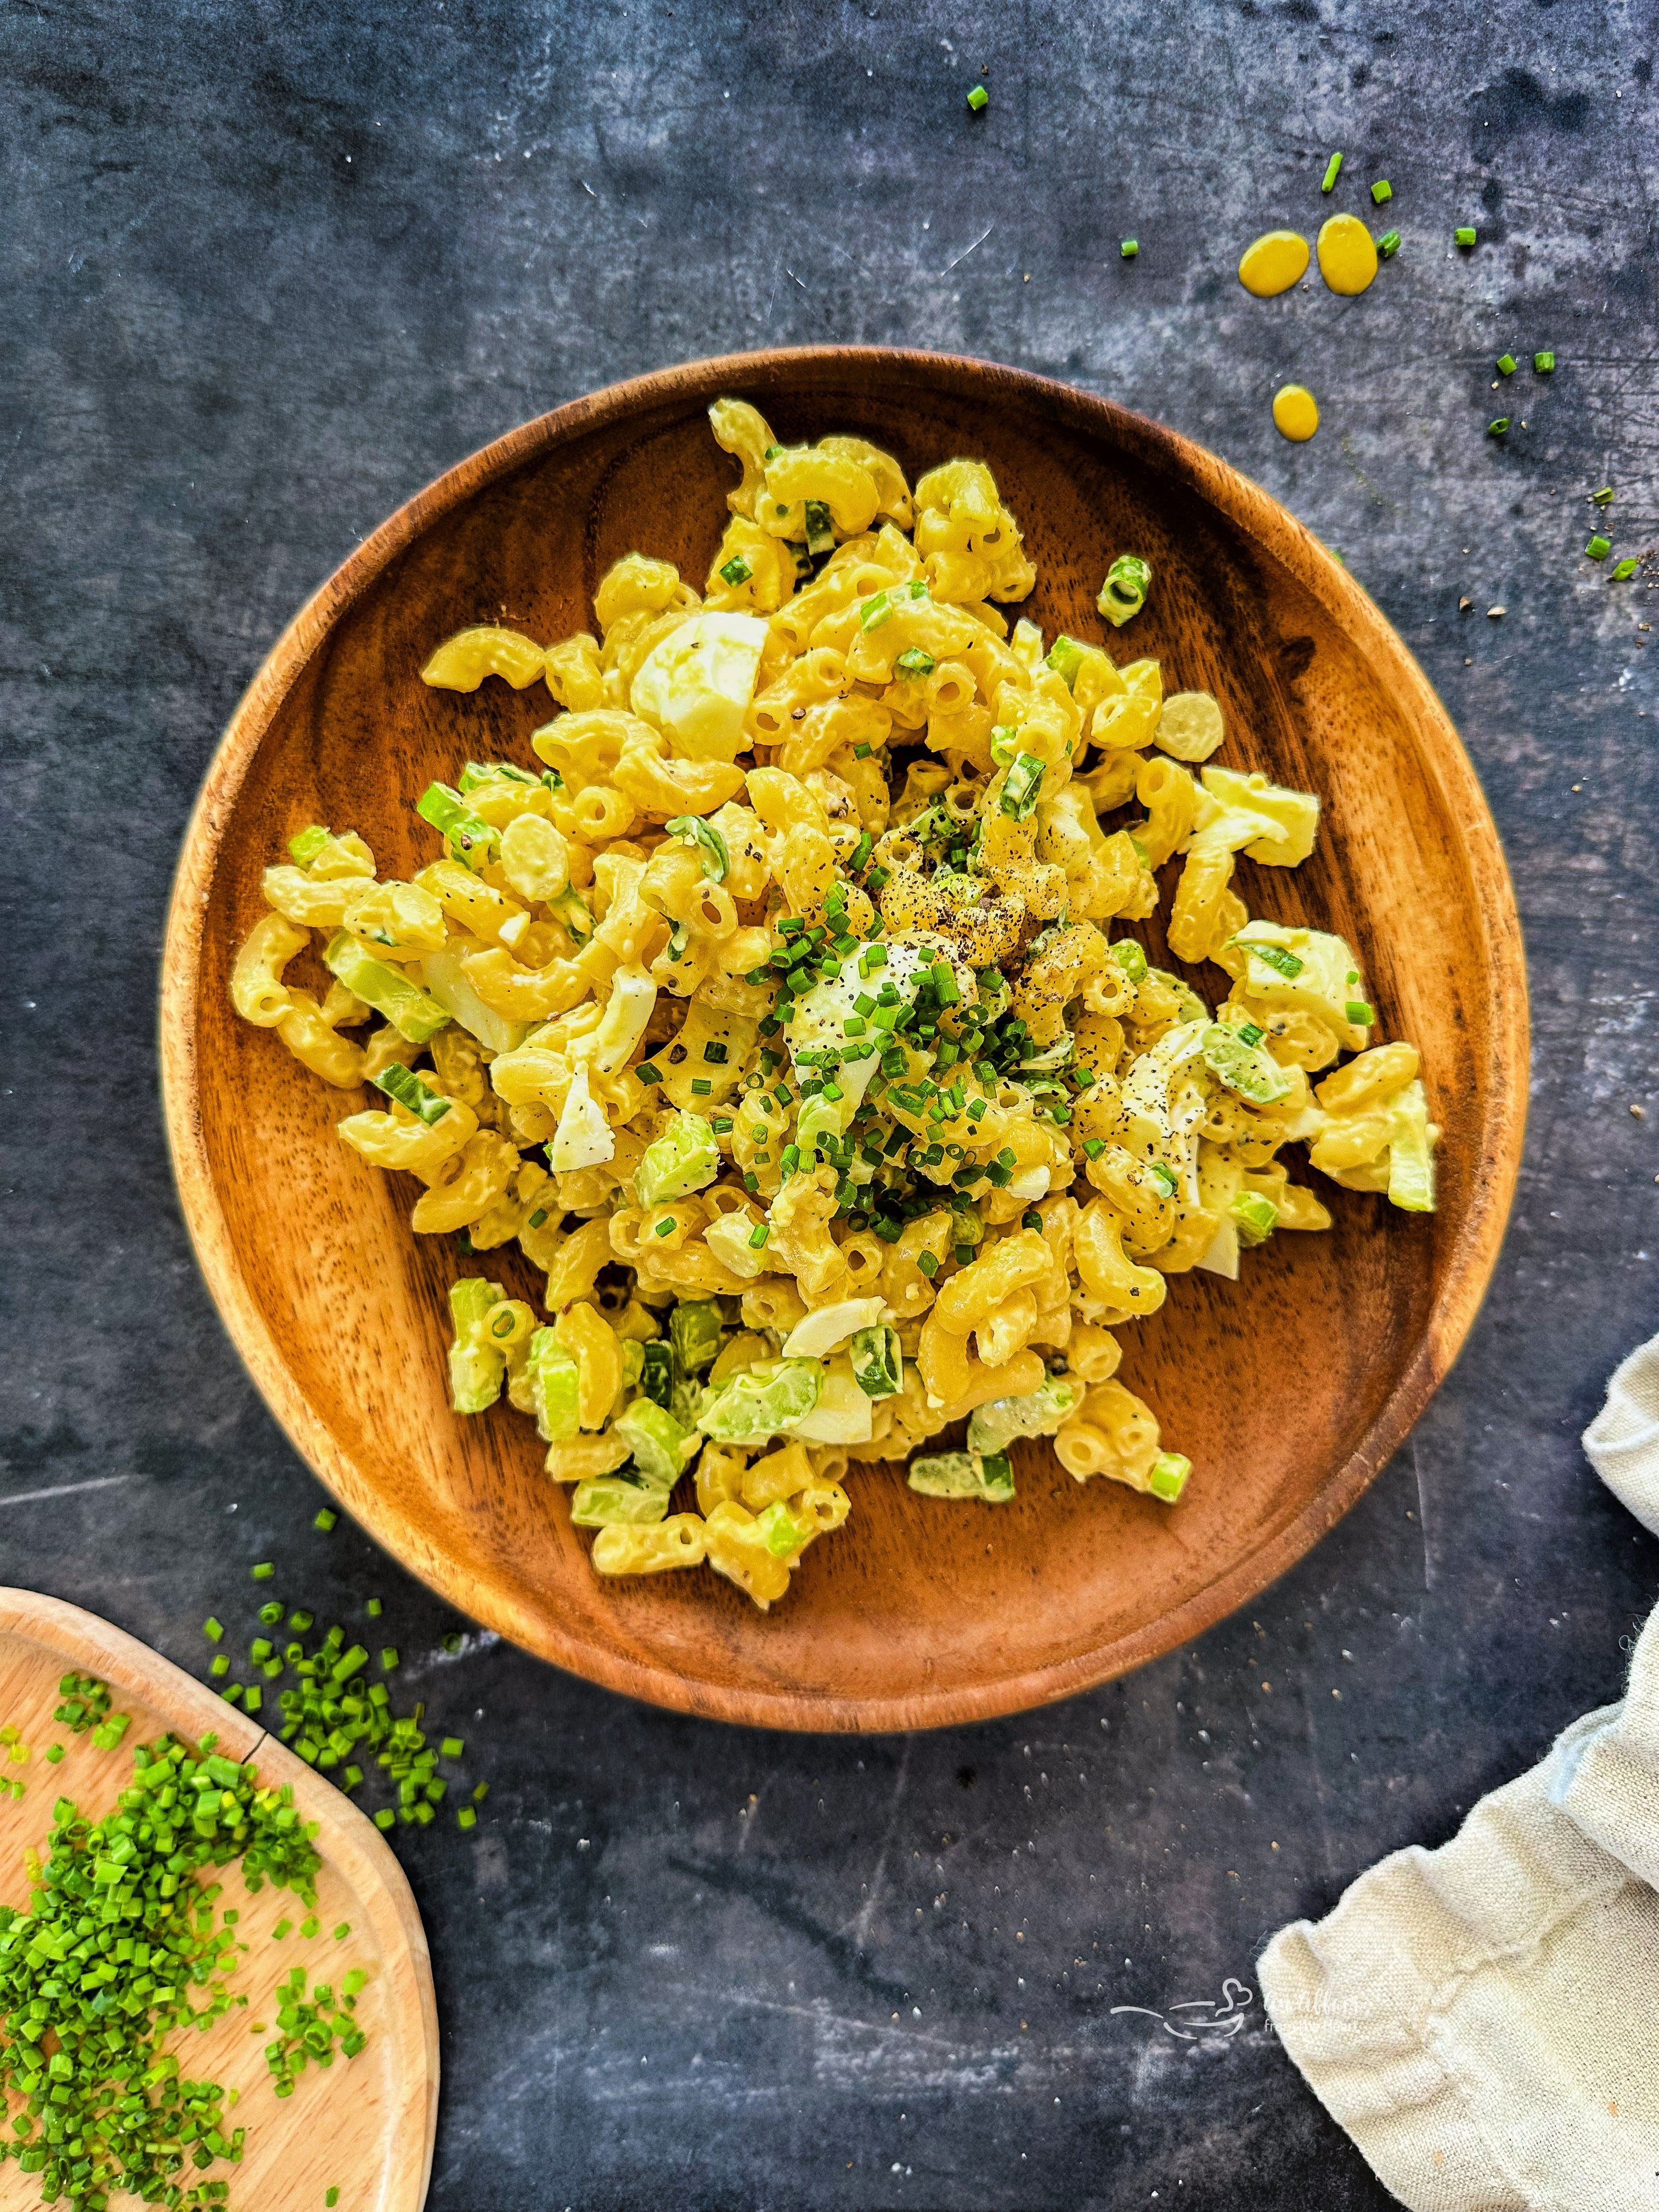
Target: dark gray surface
267	270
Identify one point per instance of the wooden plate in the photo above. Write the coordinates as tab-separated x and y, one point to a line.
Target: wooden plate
365	2126
1288	1390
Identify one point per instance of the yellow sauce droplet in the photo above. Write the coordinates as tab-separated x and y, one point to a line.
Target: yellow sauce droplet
1347	260
1296	412
1278	259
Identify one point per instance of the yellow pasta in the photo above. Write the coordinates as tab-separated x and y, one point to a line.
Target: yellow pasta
780	1003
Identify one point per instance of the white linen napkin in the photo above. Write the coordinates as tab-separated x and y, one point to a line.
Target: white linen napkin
1483	2019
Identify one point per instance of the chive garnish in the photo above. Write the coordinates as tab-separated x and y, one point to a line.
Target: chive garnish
1332	171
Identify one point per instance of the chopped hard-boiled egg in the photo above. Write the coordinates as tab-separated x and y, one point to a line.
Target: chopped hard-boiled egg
696	683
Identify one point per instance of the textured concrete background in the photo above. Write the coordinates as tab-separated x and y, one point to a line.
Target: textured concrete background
269	268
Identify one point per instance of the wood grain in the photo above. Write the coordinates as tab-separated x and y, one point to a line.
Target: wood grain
365	2126
1288	1390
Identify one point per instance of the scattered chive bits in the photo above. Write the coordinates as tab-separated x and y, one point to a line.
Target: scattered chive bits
1497	426
1382	193
1389	245
1544	363
1622	573
264	1570
1332	171
1604	497
326	1520
1129	249
979	98
1464	234
1599	547
1506	364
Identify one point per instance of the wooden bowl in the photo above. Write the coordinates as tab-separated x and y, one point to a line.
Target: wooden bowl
365	2126
1288	1390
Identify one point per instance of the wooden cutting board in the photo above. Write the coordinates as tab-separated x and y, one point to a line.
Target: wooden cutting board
364	2126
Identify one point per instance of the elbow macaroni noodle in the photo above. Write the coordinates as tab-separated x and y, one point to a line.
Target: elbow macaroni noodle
770	1004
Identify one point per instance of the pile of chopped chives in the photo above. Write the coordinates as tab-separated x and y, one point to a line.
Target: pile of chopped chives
337	1720
99	1970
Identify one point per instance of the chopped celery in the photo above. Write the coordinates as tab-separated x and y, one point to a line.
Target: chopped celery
784	1536
1410	1161
410	1010
760	1401
683	1159
877	1363
963	1474
1244	1068
445	979
1065	658
1253	1217
660	1445
694	1330
398	1082
1019	792
471	839
659	1371
612	1501
309	842
1167	1478
1039	1412
554	1380
476	1365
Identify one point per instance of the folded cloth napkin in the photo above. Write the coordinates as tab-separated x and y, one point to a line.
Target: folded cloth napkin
1483	2019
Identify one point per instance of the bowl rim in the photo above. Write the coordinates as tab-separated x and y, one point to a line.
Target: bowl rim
1474	1252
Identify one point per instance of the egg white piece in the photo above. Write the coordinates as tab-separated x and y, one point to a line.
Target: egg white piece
696	683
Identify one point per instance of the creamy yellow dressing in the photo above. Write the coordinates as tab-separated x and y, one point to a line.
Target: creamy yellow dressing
1276	261
1348	259
1296	412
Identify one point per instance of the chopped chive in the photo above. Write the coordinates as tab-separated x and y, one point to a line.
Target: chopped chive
301	1620
220	1668
467	1818
1625	569
1464	234
1497	426
1506	364
386	1817
212	1629
326	1520
1129	249
280	1930
375	1609
342	1931
1604	497
649	1074
979	98
1381	191
389	1658
1389	245
264	1570
331	2198
1544	363
1599	547
759	1235
1359	1013
1332	171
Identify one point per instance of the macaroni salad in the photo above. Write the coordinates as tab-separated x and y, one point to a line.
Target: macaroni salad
773	1007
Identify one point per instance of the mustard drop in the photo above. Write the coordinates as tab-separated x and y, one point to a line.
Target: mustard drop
1296	412
1348	259
1278	259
